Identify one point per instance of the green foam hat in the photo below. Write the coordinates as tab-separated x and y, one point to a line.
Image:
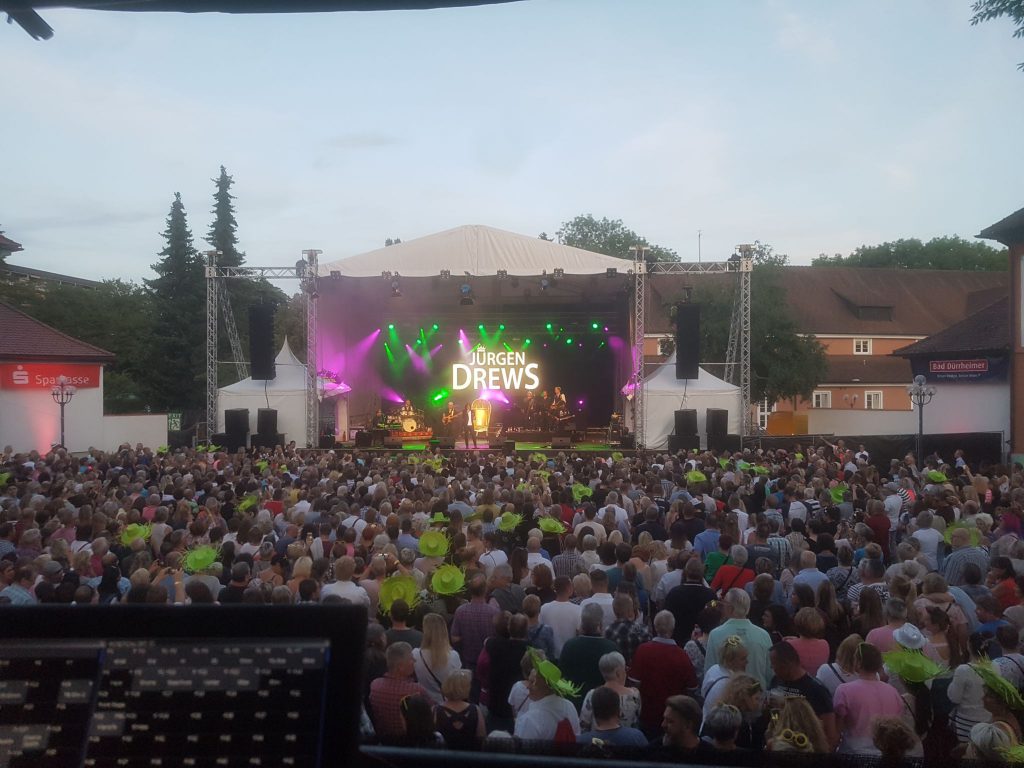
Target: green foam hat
553	676
248	502
837	492
136	531
551	525
433	544
695	476
439	518
759	470
998	685
912	666
398	587
198	559
509	521
581	492
616	456
447	580
937	477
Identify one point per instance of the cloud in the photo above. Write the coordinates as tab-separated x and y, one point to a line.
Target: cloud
800	35
363	140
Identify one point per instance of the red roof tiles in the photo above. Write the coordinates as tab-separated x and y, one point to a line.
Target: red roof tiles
25	338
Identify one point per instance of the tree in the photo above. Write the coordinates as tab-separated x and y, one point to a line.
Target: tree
392	241
938	253
544	236
242	293
610	237
784	364
178	295
987	10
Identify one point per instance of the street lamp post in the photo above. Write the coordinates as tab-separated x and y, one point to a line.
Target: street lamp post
921	393
62	394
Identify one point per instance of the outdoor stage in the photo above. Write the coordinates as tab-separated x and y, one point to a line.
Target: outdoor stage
522	449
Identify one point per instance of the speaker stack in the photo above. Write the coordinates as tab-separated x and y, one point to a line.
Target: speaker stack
236	428
718	428
686	429
561	441
267	435
261	344
687	341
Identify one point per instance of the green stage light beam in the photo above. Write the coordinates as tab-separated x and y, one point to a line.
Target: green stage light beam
391	326
507	346
569	340
548	326
595	326
436	326
501	327
391	356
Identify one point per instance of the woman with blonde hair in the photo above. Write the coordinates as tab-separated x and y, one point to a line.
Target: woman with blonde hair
435	659
746	694
795	727
732	660
301	571
844	669
460	723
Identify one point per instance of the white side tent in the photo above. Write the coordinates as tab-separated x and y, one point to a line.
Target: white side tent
666	394
286	393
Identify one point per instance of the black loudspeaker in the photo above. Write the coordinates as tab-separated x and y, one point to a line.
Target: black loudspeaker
261	343
219	438
628	442
561	441
686	422
730	443
266	421
364	439
326	442
687	341
683	443
273	439
508	447
236	421
180	438
717	421
393	443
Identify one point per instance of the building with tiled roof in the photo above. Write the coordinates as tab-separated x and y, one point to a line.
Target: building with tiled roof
860	315
25	338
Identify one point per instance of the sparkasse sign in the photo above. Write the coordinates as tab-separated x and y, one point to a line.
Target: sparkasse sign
46	375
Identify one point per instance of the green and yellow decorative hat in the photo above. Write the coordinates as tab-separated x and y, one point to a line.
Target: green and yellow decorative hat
538	458
551	525
198	559
262	465
759	470
136	531
696	476
999	686
912	666
937	477
509	521
398	587
553	676
162	449
433	544
742	465
616	456
972	530
581	492
837	492
248	502
439	518
447	580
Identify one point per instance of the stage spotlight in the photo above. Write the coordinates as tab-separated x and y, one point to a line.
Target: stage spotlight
466	295
611	272
335	274
385	274
501	327
446	274
548	326
544	283
436	326
396	289
559	273
569	340
595	326
526	342
502	274
391	326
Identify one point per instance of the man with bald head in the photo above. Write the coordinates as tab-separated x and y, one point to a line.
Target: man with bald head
964	552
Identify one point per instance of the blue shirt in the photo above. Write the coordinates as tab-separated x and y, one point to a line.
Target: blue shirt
706	541
619	737
18	595
812	577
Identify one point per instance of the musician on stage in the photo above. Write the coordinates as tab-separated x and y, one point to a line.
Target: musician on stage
558	401
407	409
379	419
530	410
467	426
448	420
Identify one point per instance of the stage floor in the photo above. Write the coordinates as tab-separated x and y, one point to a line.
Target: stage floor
483	445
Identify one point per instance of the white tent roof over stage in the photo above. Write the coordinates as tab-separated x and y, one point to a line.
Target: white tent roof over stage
667	394
286	392
475	249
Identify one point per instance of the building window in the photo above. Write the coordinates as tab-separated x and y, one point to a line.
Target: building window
862	346
873	401
764	409
822	400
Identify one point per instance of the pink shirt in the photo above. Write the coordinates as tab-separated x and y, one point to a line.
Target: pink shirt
881	638
858	704
813	653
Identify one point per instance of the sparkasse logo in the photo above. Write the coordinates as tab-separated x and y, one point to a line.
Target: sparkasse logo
19	376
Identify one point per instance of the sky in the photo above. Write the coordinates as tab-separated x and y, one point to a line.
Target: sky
814	127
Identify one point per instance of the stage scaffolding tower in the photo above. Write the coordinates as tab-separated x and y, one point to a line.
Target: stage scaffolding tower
305	271
737	364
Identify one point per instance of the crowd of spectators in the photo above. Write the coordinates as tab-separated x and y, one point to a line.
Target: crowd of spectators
695	607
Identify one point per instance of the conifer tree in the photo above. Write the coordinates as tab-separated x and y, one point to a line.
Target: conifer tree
179	296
